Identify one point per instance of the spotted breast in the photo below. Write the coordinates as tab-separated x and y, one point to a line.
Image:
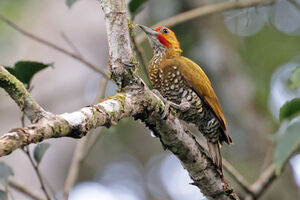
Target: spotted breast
170	82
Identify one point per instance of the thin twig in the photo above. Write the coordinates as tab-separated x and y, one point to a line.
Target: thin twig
231	171
53	46
24	188
10	193
237	177
49	186
94	142
70	43
264	181
267	159
205	10
37	171
80	150
74	167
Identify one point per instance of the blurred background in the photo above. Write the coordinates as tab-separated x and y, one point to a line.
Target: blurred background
248	54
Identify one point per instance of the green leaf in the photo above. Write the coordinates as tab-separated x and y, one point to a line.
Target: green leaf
5	172
135	6
25	70
3	195
39	151
286	145
295	78
70	2
290	109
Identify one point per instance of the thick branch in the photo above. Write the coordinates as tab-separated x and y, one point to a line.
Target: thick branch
75	124
20	95
122	61
205	10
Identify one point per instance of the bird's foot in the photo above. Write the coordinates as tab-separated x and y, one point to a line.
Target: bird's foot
183	106
165	101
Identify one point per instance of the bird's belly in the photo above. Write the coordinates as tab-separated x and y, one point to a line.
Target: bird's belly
198	114
203	118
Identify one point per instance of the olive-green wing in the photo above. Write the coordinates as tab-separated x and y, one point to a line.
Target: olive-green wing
200	83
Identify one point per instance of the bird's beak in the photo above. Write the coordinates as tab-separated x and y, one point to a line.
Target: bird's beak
147	30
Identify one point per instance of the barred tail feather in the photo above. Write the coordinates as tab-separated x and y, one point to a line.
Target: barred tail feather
215	153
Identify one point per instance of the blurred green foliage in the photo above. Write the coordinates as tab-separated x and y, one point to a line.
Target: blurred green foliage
70	2
264	52
5	172
286	145
12	9
295	78
3	195
135	6
290	109
39	151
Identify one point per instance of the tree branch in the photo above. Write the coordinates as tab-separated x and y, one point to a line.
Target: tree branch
23	188
53	46
237	177
38	173
205	10
75	167
264	181
21	96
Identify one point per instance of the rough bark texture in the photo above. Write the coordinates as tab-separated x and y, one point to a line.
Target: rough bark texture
20	95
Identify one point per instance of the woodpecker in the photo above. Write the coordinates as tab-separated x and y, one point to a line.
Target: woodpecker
185	85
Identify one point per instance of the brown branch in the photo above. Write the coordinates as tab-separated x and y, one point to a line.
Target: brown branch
75	167
206	10
37	172
237	177
24	189
53	46
267	177
70	43
21	96
264	181
231	171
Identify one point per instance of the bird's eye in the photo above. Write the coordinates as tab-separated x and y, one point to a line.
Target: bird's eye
164	30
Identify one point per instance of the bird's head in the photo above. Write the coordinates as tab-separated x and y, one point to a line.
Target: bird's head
162	38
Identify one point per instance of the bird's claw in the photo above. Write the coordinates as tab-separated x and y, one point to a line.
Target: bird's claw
166	102
183	106
166	111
